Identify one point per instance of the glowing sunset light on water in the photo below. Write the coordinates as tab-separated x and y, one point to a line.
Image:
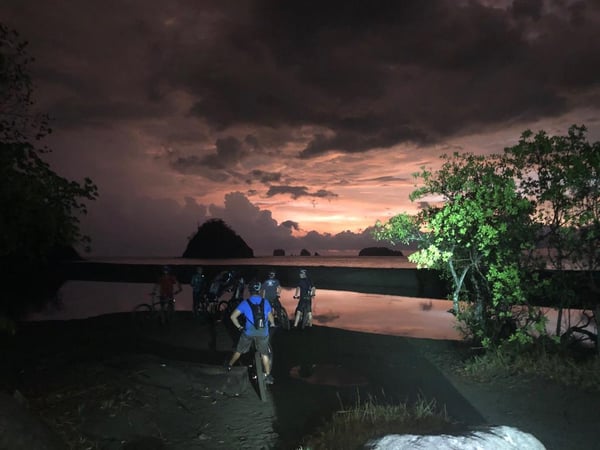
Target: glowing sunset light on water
298	125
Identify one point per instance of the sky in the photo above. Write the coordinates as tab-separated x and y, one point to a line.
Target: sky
299	123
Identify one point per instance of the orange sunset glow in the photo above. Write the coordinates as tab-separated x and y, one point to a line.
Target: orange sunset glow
298	124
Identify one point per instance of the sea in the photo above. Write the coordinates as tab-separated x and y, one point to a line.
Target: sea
383	262
373	313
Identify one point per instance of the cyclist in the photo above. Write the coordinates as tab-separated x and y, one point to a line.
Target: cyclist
198	283
271	289
252	332
305	291
165	287
272	292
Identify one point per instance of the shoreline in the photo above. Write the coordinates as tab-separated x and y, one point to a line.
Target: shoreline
406	282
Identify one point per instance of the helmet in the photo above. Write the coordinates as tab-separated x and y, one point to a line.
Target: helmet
166	269
271	274
255	286
303	272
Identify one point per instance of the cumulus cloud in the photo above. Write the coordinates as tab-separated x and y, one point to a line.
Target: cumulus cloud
142	232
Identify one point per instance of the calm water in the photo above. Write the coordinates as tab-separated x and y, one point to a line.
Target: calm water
385	314
382	262
374	313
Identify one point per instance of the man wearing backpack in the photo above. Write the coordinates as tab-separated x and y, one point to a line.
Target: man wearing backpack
259	316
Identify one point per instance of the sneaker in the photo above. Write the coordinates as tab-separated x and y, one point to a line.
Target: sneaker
269	379
227	367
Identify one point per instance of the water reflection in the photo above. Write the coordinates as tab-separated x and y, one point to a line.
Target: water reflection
386	314
373	313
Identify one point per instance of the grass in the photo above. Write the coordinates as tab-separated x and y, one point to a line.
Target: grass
353	427
552	362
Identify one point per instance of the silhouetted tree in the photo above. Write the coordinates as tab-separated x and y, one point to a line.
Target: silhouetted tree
40	209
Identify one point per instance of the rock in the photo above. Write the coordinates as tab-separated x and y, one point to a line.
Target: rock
379	251
215	239
493	438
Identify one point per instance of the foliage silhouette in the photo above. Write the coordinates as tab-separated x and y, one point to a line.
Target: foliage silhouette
40	209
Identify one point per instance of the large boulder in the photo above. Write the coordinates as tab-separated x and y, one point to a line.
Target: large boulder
214	239
493	438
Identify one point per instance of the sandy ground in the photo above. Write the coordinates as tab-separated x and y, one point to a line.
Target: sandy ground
101	384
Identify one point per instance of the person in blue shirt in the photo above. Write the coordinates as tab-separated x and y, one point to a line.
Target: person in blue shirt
254	330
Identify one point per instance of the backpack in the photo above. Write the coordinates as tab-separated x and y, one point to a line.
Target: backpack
258	313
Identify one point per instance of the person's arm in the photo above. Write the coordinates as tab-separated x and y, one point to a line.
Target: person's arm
234	318
297	293
271	319
179	288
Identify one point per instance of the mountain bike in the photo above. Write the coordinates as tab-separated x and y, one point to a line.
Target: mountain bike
280	314
155	310
226	281
257	371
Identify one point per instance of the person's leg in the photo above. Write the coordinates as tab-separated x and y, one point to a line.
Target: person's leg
242	347
234	358
196	303
266	364
163	310
262	346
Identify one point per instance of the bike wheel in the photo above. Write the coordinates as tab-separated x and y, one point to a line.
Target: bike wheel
260	376
283	320
142	315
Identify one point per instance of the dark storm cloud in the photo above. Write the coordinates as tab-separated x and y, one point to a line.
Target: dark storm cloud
388	179
371	75
263	176
229	151
291	225
299	191
407	71
528	8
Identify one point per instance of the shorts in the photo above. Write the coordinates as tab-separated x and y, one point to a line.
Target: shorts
245	341
304	304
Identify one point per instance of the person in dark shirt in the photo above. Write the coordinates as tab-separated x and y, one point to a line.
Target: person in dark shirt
305	291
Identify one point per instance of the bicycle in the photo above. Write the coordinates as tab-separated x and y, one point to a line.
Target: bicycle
257	370
154	311
282	319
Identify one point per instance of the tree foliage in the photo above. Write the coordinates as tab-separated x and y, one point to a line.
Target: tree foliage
561	174
486	215
40	209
